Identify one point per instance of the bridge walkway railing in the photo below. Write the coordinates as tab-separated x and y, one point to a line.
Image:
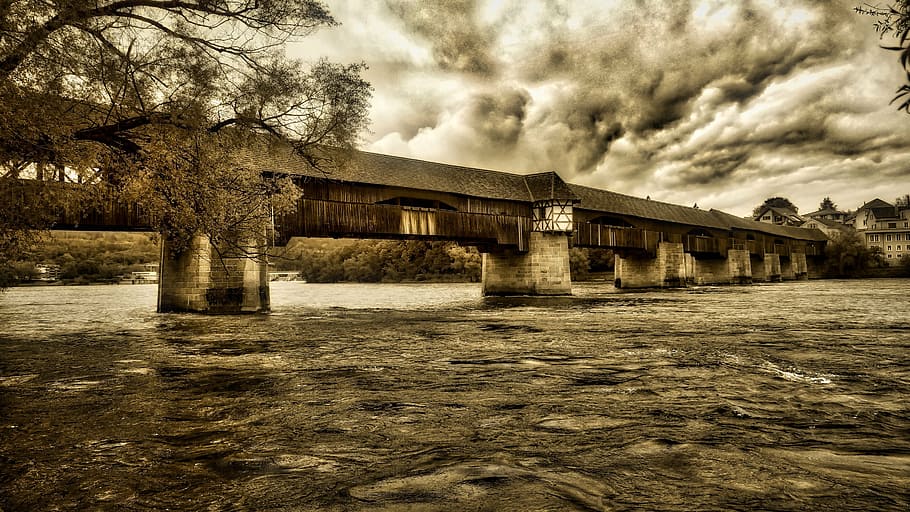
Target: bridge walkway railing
587	234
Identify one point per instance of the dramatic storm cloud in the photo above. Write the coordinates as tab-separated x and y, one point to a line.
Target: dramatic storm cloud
715	102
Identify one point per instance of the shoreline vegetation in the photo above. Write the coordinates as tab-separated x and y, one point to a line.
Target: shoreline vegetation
92	258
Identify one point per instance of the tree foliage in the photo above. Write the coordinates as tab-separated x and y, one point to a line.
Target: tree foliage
85	257
370	261
827	204
774	202
893	23
149	97
847	255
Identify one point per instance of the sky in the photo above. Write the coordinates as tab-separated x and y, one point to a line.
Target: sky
719	103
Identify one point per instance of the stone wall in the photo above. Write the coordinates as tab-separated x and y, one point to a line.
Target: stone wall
772	268
736	268
740	265
712	271
800	265
666	270
690	266
543	270
200	280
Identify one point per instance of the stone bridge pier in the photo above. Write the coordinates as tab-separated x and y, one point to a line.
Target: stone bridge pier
201	279
544	268
766	268
736	268
668	269
671	267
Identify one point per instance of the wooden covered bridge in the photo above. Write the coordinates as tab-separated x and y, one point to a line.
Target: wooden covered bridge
523	224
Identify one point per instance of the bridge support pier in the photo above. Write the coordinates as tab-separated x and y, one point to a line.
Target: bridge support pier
667	270
543	270
736	268
766	268
800	265
200	280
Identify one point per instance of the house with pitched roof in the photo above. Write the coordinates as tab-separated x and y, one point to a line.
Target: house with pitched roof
828	214
886	226
831	228
778	215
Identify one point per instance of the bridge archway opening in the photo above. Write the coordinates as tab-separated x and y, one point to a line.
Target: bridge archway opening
609	220
418	203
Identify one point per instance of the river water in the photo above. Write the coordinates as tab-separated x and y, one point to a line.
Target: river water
789	396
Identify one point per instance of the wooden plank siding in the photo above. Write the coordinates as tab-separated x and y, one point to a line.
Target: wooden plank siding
84	207
106	215
316	218
344	192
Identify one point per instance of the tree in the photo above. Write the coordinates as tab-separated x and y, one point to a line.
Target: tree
827	204
893	21
149	96
847	254
905	266
774	202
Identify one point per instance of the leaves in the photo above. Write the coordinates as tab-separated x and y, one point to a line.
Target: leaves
153	95
893	22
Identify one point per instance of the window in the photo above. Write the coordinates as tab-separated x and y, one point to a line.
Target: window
873	238
415	203
889	248
898	248
890	256
892	225
887	238
606	220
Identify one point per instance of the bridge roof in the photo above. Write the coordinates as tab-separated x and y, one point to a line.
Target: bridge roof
395	171
612	202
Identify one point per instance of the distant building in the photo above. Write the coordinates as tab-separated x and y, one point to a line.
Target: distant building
830	228
48	272
778	215
885	226
146	277
828	214
863	217
285	276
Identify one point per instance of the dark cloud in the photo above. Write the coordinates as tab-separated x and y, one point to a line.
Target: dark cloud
712	167
697	94
664	60
590	127
452	29
499	118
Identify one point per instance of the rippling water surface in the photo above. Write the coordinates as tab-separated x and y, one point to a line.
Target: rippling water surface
790	396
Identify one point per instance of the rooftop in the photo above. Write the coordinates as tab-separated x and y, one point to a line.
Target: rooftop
395	171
